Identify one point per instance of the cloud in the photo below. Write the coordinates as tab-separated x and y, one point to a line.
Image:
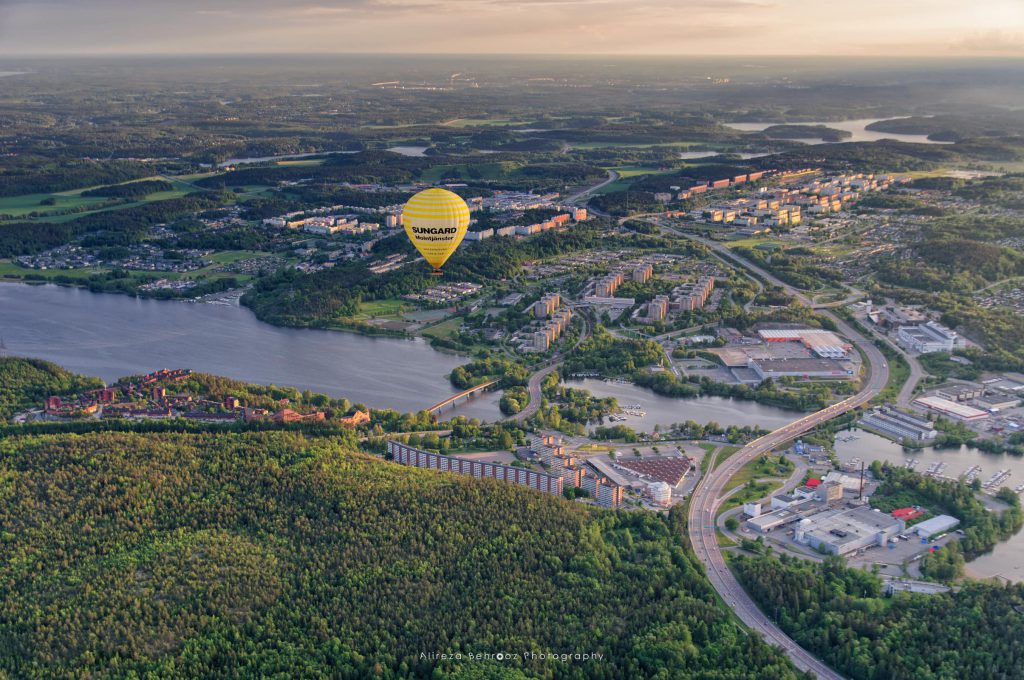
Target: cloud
510	26
991	42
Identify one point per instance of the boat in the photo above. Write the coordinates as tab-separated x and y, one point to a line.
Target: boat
996	479
971	473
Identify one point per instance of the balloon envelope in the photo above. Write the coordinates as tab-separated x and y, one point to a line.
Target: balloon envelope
435	221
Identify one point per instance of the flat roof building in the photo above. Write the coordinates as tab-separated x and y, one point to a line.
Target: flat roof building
897	424
936	525
928	337
845	530
798	368
953	409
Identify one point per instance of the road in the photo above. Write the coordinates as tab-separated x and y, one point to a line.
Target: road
537	378
708	497
574	198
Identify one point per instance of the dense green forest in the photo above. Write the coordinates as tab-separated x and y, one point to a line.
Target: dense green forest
25	383
840	615
259	554
131	189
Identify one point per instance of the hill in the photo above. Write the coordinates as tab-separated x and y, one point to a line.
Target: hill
278	553
24	383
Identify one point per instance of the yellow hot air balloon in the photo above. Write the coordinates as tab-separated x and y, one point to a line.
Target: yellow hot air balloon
435	221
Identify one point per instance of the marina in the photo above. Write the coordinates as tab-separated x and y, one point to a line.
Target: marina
1006	561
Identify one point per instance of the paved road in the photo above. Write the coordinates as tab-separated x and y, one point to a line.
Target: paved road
707	498
612	176
537	378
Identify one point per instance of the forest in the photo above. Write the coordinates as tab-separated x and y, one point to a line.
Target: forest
25	383
840	615
276	553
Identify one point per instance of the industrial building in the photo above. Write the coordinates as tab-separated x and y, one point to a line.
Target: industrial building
845	530
767	522
540	481
798	368
936	525
822	343
952	409
928	337
896	424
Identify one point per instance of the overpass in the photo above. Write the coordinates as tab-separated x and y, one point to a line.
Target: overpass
465	393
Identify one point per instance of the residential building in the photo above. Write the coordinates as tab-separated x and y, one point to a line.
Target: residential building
539	481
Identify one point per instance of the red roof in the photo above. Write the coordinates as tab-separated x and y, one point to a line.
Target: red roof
906	513
813	483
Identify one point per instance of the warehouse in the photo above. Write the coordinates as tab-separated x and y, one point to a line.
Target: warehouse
952	409
824	344
798	368
936	525
846	530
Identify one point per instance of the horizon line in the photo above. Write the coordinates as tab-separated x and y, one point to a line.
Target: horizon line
733	55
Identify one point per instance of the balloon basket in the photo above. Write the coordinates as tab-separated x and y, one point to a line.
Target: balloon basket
436	272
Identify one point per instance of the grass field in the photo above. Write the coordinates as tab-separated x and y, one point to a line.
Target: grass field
627	174
748	495
761	467
9	269
229	256
445	329
391	307
758	242
19	207
724	454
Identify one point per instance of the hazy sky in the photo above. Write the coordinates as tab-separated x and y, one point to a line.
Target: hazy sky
898	27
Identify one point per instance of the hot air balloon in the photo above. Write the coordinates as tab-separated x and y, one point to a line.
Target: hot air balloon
435	221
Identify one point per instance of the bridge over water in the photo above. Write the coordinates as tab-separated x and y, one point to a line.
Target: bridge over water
465	393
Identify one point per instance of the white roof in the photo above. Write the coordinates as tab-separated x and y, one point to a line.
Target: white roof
935	525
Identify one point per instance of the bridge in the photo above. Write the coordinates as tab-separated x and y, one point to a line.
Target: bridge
436	408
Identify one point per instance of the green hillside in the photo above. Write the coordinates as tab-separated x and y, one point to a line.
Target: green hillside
25	383
279	554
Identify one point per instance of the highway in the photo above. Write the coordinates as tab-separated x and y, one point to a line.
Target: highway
585	193
708	496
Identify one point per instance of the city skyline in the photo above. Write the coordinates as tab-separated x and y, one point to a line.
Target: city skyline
645	27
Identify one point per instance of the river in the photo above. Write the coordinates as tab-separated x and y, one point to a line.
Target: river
111	336
857	128
1007	559
665	411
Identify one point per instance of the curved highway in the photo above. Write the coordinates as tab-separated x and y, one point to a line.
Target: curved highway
708	496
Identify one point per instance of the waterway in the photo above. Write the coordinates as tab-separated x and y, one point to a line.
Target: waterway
1007	559
111	336
857	128
666	411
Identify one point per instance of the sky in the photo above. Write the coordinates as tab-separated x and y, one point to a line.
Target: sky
684	27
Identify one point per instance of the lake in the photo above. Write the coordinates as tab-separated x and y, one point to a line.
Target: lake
857	128
665	411
1007	559
111	336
